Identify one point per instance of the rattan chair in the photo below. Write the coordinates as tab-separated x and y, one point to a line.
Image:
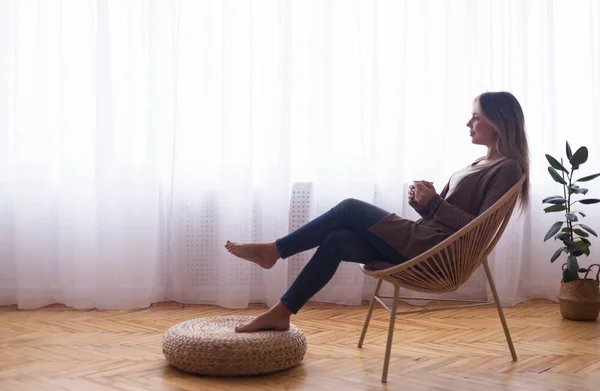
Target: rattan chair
446	267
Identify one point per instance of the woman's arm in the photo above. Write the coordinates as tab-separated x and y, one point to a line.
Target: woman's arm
421	210
457	218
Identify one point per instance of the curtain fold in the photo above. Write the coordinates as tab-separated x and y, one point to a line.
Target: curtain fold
137	137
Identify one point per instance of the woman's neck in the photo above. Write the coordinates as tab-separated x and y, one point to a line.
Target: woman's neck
492	154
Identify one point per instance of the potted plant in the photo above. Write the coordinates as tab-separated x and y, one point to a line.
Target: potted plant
579	298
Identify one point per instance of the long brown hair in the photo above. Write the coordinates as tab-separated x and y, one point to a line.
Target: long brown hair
503	110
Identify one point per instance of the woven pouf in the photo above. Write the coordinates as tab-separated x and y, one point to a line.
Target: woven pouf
210	346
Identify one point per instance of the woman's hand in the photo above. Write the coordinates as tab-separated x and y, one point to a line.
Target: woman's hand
422	192
411	194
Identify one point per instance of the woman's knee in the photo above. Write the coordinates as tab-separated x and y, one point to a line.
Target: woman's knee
350	204
361	212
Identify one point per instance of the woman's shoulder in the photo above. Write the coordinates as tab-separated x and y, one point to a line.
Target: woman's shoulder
508	168
482	161
509	163
505	169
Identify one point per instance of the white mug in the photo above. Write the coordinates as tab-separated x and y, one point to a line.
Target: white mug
415	182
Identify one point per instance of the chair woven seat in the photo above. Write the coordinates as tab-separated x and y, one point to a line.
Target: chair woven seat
210	346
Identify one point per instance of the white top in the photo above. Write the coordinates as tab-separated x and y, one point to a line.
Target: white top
464	172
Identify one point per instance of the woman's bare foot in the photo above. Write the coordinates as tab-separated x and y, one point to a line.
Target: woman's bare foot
277	318
263	254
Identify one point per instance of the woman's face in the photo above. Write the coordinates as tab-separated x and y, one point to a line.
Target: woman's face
482	131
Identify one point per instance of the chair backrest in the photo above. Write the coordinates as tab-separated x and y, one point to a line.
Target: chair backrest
451	263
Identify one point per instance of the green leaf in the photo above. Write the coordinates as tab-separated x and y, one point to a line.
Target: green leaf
589	201
562	236
555	201
556	176
581	232
556	254
588	178
572	217
572	264
586	250
588	229
581	248
553	230
555	208
578	190
569	276
569	153
566	229
569	243
554	163
547	199
579	157
581	244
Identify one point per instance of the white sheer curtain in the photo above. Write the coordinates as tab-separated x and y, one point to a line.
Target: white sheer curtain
136	137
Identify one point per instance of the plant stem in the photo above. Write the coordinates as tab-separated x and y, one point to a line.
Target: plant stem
568	203
569	222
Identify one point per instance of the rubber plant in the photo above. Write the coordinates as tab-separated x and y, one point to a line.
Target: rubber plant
570	231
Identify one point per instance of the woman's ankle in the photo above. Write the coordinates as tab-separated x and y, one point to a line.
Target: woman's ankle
274	250
281	311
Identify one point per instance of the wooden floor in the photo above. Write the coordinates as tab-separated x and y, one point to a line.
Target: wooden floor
62	349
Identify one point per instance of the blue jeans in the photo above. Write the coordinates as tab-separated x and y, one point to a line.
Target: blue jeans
340	234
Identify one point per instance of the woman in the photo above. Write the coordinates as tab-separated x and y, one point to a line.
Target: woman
355	231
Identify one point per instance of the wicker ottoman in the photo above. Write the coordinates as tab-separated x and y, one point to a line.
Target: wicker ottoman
210	346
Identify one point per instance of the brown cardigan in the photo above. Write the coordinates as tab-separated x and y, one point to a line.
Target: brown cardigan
443	217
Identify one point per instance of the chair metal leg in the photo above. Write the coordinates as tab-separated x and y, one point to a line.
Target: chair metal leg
500	312
388	348
368	319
